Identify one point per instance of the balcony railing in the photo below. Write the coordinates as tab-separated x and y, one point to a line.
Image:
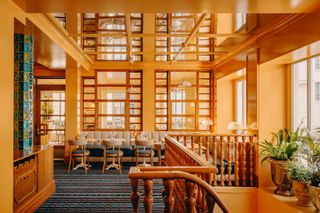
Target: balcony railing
233	155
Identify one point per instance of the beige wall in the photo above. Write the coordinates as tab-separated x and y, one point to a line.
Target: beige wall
272	107
225	103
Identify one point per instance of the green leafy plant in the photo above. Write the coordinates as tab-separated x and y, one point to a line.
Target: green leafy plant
282	146
299	172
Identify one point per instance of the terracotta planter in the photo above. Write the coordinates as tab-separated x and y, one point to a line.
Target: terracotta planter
280	177
315	196
301	192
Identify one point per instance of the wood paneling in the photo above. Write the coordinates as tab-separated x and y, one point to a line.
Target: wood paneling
33	178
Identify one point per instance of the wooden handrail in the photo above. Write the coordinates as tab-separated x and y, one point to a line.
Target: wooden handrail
234	155
152	173
189	169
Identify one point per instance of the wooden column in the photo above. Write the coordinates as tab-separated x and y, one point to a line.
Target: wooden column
72	88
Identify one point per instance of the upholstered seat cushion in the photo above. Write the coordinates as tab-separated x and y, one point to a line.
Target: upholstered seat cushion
114	152
143	152
80	152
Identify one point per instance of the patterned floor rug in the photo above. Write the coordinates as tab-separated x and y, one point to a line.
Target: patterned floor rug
95	192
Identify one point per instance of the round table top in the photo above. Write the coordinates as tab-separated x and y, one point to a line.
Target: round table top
113	142
144	142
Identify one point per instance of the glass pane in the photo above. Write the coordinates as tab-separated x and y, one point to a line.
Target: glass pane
88	96
179	77
203	97
135	120
183	123
161	97
89	104
161	105
204	112
300	94
204	105
52	95
188	93
135	96
112	108
111	122
52	108
112	77
204	123
161	90
183	108
89	111
161	75
135	75
135	126
89	119
204	90
161	112
135	105
161	119
204	82
315	93
161	126
112	93
161	82
89	90
54	122
135	82
88	81
135	112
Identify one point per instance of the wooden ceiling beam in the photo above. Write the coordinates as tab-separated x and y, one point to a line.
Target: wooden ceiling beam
192	35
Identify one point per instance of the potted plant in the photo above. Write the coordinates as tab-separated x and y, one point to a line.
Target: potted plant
314	187
279	151
301	178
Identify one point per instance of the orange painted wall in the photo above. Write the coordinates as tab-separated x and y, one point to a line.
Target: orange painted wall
272	107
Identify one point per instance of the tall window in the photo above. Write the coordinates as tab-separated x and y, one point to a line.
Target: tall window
241	108
305	87
117	104
183	100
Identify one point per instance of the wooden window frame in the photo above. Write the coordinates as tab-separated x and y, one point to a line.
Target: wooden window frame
197	100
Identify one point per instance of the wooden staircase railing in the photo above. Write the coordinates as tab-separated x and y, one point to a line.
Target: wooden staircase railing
233	155
177	197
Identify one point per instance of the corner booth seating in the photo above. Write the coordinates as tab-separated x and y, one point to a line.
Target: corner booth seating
96	147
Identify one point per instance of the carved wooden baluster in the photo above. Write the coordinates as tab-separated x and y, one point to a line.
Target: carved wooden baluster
135	195
236	162
210	203
214	157
199	197
244	161
229	160
185	141
168	198
251	159
221	161
207	147
200	146
148	199
191	196
192	143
